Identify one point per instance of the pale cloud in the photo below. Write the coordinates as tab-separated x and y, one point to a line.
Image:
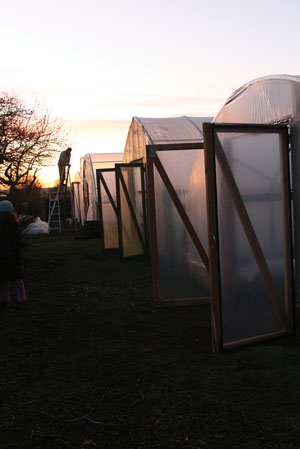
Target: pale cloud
158	100
10	69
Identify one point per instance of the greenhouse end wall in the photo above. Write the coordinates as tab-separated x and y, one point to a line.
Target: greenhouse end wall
88	188
273	100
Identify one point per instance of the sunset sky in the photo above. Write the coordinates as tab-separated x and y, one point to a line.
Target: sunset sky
97	63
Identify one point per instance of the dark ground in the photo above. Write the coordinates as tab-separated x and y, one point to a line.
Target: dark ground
89	363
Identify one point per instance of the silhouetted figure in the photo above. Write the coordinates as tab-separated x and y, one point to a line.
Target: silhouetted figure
10	254
63	162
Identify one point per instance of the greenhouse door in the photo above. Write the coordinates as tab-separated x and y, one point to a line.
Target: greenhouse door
107	207
132	221
250	253
178	226
75	192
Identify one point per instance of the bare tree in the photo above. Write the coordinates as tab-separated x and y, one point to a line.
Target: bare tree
29	140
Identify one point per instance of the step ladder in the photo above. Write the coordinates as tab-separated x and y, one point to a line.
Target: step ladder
55	209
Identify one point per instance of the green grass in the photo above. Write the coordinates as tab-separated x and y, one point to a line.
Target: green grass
89	363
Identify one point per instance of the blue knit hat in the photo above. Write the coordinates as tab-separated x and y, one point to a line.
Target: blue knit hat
6	206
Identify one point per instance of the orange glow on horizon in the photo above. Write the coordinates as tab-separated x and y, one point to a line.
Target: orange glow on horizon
90	136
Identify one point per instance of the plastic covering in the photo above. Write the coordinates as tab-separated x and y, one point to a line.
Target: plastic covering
272	100
132	222
267	100
88	187
108	214
36	227
182	274
254	160
145	131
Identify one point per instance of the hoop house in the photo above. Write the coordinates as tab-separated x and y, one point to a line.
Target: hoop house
273	100
248	167
88	166
149	131
176	210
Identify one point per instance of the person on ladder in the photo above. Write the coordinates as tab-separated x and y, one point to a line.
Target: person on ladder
63	162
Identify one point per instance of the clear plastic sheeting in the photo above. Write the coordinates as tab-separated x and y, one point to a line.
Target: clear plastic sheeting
272	100
36	227
268	100
248	310
146	131
132	209
182	273
108	214
88	186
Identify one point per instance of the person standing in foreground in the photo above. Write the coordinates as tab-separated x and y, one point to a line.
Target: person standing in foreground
63	162
10	254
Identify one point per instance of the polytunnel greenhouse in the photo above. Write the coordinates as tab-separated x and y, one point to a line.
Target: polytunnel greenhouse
252	159
88	187
220	211
133	227
149	131
180	276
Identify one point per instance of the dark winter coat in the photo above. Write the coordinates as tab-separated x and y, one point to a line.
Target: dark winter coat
10	247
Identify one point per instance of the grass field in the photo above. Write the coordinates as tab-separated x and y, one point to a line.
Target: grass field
89	363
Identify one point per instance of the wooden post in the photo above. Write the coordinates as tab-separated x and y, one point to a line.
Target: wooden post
213	243
287	220
100	211
119	209
144	193
152	227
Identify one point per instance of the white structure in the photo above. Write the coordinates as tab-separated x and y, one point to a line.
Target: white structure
147	131
272	100
181	273
88	183
142	131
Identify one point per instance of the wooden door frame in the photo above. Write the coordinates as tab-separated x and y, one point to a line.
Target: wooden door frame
154	161
120	181
100	180
286	315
